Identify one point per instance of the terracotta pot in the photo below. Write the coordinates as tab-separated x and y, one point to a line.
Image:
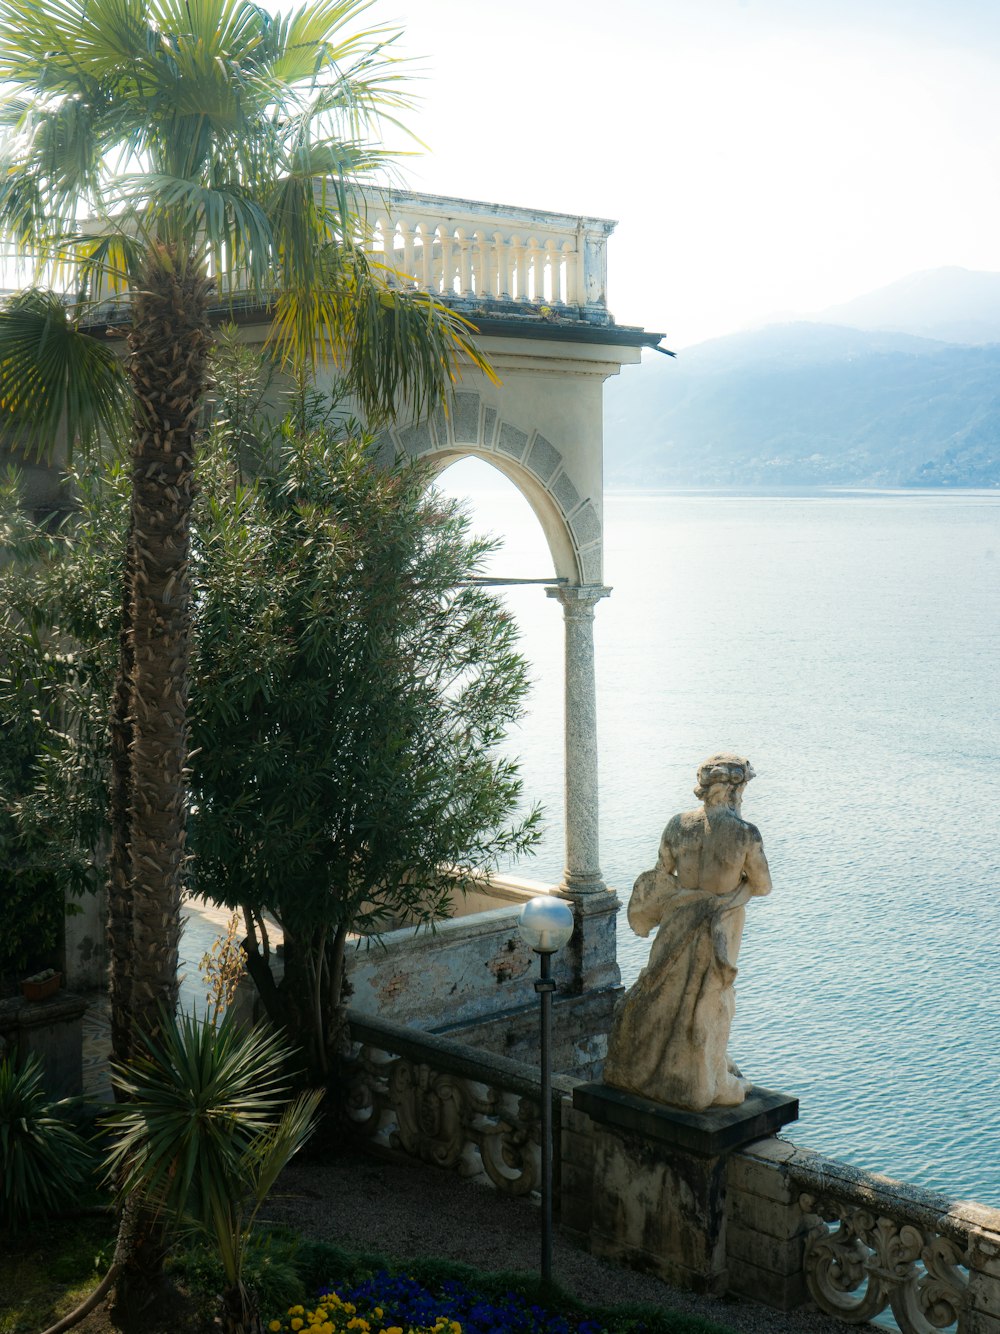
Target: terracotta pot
39	991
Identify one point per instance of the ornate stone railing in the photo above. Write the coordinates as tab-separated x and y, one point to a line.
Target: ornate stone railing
867	1249
485	254
426	1097
803	1226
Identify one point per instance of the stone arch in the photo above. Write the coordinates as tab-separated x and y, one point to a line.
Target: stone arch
571	522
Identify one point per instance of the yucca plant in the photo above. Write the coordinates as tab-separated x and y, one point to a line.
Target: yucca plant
204	1135
43	1160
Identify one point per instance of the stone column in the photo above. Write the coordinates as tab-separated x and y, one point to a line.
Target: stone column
583	870
593	947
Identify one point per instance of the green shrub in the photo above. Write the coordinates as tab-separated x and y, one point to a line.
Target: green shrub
269	1270
44	1162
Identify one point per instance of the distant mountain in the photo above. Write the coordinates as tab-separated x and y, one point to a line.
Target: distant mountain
808	405
956	305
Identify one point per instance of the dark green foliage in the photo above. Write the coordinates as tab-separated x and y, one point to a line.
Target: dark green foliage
58	622
270	1271
53	375
43	1161
352	688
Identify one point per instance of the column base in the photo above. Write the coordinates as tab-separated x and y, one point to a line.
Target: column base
659	1185
592	954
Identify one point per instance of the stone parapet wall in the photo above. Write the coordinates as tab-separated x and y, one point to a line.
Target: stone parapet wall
580	1027
461	969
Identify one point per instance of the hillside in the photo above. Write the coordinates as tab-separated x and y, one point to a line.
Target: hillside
953	304
808	405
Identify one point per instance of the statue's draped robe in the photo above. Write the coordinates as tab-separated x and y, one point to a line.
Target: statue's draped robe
671	1029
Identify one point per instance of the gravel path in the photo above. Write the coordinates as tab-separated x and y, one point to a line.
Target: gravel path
408	1210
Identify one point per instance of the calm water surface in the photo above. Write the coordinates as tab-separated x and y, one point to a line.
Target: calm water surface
849	643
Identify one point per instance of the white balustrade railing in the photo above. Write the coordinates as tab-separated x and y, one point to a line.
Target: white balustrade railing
479	253
475	255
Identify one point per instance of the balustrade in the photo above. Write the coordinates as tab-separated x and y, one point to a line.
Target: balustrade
478	253
872	1244
436	1100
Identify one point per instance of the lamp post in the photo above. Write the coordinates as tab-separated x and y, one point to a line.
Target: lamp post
546	924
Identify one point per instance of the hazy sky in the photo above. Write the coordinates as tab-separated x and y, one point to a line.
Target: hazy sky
761	157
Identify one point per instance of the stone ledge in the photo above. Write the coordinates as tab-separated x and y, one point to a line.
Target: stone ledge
707	1134
62	1007
453	1057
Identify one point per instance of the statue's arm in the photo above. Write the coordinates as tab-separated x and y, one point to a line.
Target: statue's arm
652	889
666	861
756	871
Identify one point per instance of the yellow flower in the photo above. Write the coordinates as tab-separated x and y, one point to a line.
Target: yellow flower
274	1326
378	1313
297	1322
296	1310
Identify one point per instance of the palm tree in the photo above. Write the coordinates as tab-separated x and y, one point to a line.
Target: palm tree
181	155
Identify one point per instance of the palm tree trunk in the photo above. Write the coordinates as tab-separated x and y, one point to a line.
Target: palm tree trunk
119	858
169	348
168	365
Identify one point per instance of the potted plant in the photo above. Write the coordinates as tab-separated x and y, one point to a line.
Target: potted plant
39	986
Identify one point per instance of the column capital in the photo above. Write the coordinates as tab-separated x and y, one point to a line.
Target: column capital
579	598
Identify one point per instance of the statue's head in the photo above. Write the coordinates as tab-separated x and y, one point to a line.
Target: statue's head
724	772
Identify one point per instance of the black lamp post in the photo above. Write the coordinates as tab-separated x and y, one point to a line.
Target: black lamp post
546	923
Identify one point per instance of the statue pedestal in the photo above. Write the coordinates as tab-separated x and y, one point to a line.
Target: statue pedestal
659	1184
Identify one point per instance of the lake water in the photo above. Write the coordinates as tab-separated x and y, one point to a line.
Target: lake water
849	644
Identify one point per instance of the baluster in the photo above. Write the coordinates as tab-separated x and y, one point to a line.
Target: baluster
443	276
426	257
502	250
464	263
537	271
566	266
484	266
372	232
552	267
409	264
519	260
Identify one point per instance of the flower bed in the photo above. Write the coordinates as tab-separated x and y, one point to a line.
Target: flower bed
397	1304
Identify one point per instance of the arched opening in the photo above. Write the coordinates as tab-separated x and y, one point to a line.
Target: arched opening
498	508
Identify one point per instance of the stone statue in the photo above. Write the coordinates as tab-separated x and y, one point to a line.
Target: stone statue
671	1030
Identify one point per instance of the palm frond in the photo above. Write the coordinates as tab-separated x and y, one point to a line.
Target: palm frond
53	374
199	1097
